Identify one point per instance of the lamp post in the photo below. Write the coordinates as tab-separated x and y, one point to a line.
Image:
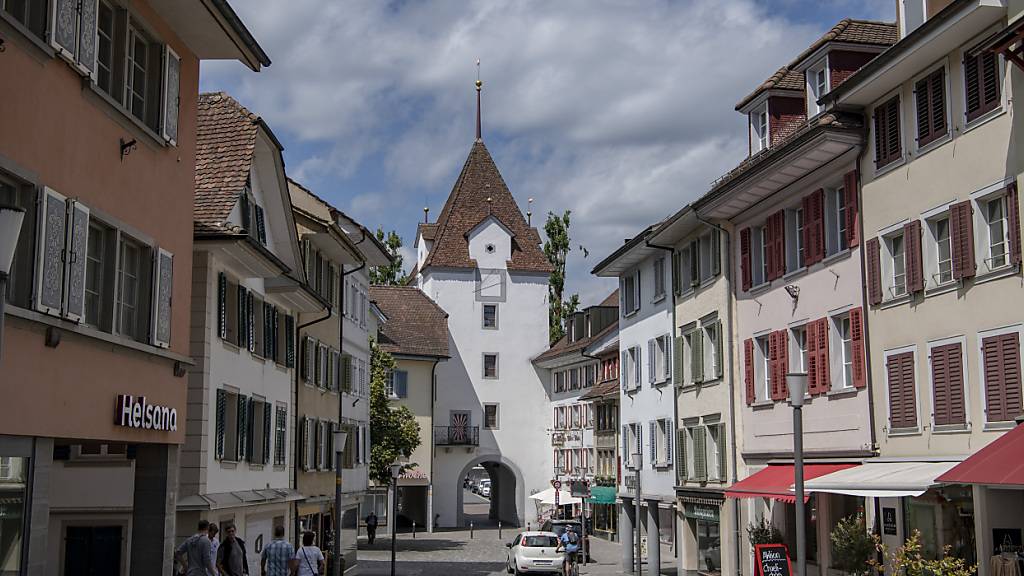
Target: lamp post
340	436
638	459
396	471
797	383
11	218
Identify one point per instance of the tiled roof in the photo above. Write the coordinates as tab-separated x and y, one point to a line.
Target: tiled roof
415	326
468	205
612	299
847	31
427	230
225	142
602	390
563	346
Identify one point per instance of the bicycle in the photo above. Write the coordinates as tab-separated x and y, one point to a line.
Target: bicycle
571	566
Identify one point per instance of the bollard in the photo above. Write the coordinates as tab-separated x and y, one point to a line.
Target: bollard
414	529
527	526
470	530
499	529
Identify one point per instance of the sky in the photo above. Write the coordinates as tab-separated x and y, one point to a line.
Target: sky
621	111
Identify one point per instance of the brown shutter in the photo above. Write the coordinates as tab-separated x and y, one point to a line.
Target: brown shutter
1013	222
748	376
814	227
1001	358
780	243
807	204
824	376
961	226
850	193
811	340
745	270
902	391
874	270
981	84
782	337
912	255
930	97
769	249
860	379
888	145
773	364
948	385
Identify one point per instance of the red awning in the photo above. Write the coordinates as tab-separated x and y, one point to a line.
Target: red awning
999	463
774	481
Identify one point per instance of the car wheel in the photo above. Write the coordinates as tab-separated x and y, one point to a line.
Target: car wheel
508	567
517	571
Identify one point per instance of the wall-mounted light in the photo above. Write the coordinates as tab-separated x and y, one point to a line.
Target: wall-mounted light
794	291
52	337
127	147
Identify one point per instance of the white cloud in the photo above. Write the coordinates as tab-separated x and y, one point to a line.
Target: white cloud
621	111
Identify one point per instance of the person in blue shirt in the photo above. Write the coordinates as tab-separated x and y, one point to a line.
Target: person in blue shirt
571	543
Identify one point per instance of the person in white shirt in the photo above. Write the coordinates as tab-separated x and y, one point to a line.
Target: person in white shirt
214	543
309	560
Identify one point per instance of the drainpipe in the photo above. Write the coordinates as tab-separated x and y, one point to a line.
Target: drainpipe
675	391
727	268
433	402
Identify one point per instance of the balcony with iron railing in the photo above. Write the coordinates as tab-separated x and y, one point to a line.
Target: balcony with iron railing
456	435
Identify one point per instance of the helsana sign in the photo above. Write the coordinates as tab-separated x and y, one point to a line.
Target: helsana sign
132	412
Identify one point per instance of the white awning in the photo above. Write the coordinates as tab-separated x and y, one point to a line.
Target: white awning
881	479
548	497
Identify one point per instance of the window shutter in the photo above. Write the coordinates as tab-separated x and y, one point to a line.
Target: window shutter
824	378
930	100
222	305
625	444
816	224
888	146
64	30
681	456
782	337
50	264
636	291
669	433
402	383
677	361
780	244
947	385
748	365
981	84
719	356
241	320
261	226
716	253
769	249
745	269
637	367
913	255
269	331
222	402
773	365
651	345
242	421
961	225
811	342
346	373
1013	222
700	454
676	263
76	254
809	230
172	83
267	427
860	377
694	264
697	357
723	465
624	371
902	390
652	442
850	196
622	297
302	444
250	321
874	271
667	361
162	309
289	341
304	367
1001	363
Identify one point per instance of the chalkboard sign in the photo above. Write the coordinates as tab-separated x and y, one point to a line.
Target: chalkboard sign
772	560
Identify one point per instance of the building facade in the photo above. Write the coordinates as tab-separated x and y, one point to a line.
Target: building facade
604	398
415	333
248	291
646	400
97	327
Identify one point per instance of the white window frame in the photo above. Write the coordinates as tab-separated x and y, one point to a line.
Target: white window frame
708	348
814	91
662	430
760	128
762	368
483	366
844	358
797	348
965	382
917	390
658	293
932	270
483	316
982	233
795	245
758	256
894	289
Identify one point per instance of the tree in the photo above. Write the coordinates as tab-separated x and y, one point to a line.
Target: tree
556	249
852	546
393	429
391	274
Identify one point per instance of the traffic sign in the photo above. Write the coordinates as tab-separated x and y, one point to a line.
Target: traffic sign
556	484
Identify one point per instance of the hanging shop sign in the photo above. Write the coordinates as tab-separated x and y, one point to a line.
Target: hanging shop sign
701	512
579	488
132	412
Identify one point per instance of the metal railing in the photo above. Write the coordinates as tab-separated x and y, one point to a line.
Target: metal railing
456	435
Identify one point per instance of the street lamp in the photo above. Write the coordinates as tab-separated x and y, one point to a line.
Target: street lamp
638	460
11	218
797	383
340	436
396	471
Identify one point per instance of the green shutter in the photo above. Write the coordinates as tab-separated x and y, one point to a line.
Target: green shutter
676	272
266	432
719	365
242	318
723	467
681	455
346	373
242	421
694	264
221	413
697	356
677	360
289	341
700	456
222	306
716	253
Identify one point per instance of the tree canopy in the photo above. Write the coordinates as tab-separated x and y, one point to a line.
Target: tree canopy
393	429
391	274
556	249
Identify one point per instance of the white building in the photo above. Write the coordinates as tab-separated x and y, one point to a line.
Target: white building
647	401
482	264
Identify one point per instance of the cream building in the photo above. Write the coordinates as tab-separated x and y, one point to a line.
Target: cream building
415	333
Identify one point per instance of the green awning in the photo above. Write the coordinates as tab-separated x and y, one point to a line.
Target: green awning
602	495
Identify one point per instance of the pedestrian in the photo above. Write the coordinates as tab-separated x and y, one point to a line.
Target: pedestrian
309	560
194	553
371	527
214	542
277	556
231	559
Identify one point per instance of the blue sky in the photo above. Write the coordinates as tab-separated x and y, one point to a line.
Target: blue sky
619	110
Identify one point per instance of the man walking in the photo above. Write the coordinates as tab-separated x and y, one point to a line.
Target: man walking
194	553
231	558
371	527
276	557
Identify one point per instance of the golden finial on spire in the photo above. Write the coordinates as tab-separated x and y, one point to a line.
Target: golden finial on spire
479	84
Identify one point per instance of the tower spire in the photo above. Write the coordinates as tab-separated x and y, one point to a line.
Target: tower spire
479	85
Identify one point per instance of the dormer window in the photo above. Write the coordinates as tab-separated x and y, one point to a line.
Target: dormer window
759	129
817	86
252	216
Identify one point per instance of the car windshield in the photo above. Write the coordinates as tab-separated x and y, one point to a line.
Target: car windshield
540	542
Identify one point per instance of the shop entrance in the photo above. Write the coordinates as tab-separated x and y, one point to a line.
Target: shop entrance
90	550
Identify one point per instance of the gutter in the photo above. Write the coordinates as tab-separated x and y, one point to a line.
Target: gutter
727	266
239	28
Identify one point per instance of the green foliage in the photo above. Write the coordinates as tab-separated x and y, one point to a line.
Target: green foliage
393	429
908	561
392	274
852	546
556	249
763	532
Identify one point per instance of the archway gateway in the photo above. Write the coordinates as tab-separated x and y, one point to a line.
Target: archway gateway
505	502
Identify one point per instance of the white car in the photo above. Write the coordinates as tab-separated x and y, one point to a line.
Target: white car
533	552
485	490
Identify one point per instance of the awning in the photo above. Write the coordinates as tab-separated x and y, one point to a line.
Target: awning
602	495
881	479
774	481
548	497
1001	463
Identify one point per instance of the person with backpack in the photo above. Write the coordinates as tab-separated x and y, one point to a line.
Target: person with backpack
308	560
571	543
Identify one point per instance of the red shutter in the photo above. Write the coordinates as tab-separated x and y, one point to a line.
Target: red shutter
892	372
807	204
874	270
852	209
948	385
912	252
814	227
780	243
981	79
773	364
902	391
812	357
1013	222
824	376
748	375
783	342
1001	360
860	379
961	236
745	270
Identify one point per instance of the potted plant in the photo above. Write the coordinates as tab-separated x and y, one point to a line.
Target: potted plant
908	561
852	546
763	532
